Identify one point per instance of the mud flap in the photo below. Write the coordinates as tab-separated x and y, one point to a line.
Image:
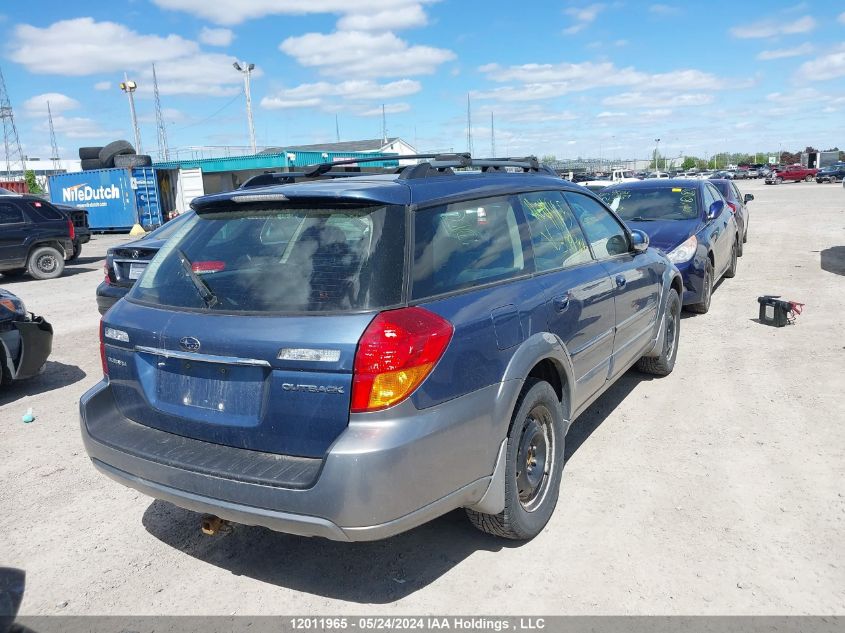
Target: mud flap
36	345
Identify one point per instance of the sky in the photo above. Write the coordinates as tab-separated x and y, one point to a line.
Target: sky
570	79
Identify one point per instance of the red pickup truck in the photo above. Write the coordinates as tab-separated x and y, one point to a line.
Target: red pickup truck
791	172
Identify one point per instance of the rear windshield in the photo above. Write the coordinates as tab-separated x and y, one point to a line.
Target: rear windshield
300	260
659	203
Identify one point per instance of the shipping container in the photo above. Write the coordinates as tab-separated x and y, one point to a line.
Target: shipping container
16	186
116	199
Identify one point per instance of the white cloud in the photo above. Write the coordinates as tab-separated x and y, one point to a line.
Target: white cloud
89	47
825	67
207	74
611	115
103	85
583	17
231	12
390	108
664	9
316	94
783	53
546	81
362	54
772	28
82	128
37	105
216	37
653	99
402	17
841	18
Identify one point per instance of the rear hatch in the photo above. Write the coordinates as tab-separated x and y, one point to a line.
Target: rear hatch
244	329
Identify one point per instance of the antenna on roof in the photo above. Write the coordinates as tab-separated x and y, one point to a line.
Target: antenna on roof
383	125
492	137
54	147
336	128
469	126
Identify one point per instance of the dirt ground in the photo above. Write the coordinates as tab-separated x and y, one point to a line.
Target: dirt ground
717	490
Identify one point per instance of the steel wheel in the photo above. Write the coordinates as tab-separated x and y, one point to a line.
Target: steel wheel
46	263
534	458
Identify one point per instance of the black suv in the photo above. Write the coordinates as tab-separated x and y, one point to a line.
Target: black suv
35	237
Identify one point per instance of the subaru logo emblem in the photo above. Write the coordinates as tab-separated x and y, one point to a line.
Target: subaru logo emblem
189	344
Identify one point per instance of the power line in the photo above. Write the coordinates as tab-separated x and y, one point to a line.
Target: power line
211	116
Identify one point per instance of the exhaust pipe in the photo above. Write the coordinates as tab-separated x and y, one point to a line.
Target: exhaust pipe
212	525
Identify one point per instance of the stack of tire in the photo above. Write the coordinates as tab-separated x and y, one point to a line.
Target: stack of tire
119	154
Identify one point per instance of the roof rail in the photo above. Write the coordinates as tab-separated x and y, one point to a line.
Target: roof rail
439	165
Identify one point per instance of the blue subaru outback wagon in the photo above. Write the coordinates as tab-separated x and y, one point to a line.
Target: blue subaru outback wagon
351	358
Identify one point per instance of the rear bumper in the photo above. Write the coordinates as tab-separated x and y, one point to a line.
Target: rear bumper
108	295
27	353
387	472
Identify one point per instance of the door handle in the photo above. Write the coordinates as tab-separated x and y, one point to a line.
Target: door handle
561	303
621	281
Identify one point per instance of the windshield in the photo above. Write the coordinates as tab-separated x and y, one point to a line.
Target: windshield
280	261
658	203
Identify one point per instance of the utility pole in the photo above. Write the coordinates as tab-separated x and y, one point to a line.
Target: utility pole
656	150
129	87
492	138
383	126
469	126
337	128
11	141
163	152
54	147
246	70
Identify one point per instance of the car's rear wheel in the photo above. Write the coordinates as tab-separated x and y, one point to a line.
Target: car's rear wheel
778	181
731	271
664	364
706	291
45	262
534	466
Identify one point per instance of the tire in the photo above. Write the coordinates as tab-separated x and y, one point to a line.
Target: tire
45	262
730	273
88	153
77	251
808	179
537	429
664	364
132	160
704	306
90	163
115	148
778	181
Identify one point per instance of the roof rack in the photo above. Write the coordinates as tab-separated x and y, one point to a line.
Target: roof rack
439	165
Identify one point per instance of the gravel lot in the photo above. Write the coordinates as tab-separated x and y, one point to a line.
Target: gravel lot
717	490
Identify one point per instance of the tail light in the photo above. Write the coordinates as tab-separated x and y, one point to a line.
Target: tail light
210	266
396	353
732	205
106	278
71	229
103	350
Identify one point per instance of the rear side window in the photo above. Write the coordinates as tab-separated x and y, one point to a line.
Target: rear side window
291	260
465	244
10	214
606	235
46	211
555	235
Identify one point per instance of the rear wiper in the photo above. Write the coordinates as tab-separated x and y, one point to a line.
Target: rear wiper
204	291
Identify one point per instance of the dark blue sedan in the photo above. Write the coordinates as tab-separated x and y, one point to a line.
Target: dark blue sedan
690	221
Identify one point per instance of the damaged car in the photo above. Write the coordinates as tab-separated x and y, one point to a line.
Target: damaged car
26	340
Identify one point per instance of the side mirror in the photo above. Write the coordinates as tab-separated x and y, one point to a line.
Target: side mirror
715	210
748	198
639	241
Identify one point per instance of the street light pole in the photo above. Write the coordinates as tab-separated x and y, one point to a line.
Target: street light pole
129	87
656	150
246	70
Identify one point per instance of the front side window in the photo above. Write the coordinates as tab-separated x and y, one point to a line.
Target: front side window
281	260
555	235
10	214
606	235
464	244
